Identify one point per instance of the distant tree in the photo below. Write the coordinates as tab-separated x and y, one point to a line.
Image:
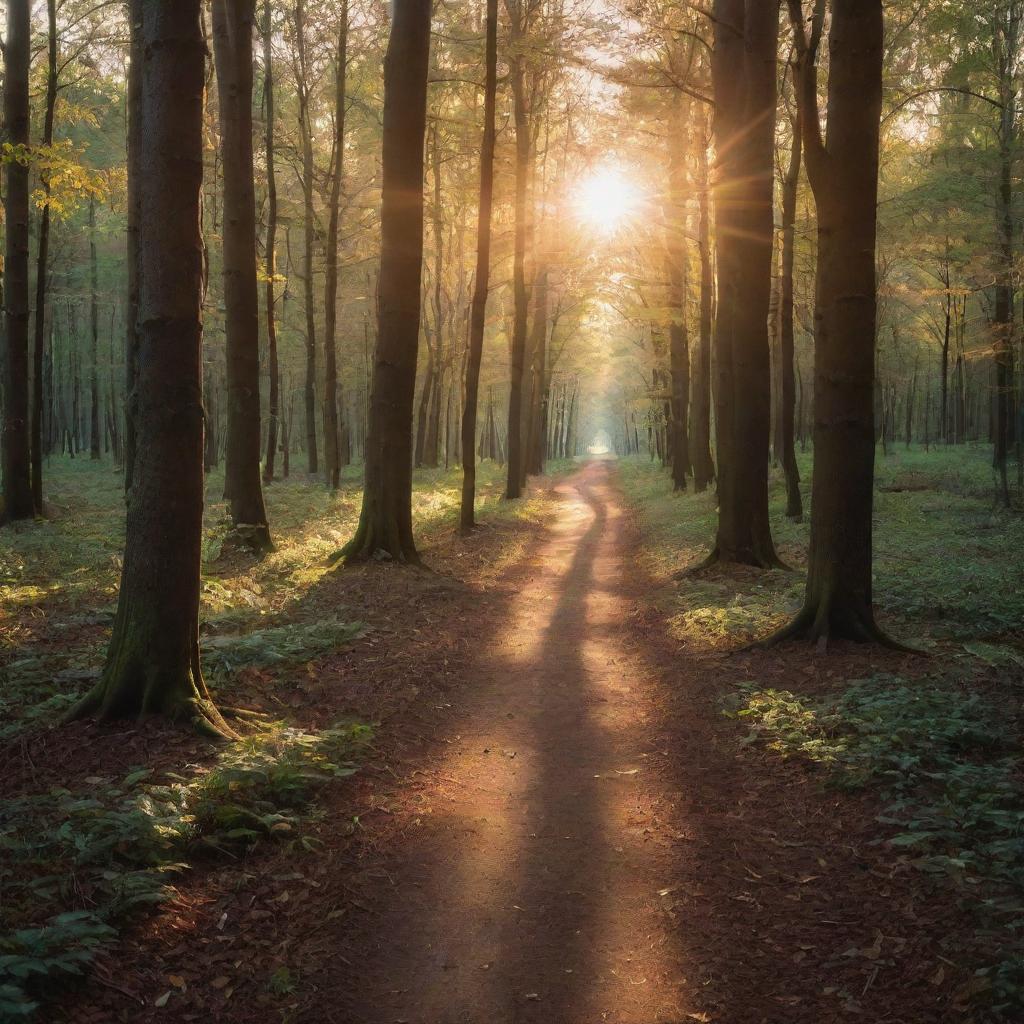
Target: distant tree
233	27
478	316
843	172
385	523
152	662
17	468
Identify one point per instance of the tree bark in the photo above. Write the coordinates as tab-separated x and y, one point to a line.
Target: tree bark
153	659
306	133
385	522
273	368
43	265
843	172
521	298
744	75
787	403
95	439
332	424
678	279
478	314
233	26
17	469
703	464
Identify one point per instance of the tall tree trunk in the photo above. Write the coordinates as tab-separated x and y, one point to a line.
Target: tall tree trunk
153	659
233	26
703	464
17	468
843	171
1006	45
744	74
43	265
332	424
95	439
534	454
306	133
787	404
521	298
678	279
481	286
273	368
134	143
385	522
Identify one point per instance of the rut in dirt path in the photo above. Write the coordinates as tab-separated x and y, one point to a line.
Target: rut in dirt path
528	890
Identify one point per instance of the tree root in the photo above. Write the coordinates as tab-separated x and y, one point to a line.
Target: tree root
817	626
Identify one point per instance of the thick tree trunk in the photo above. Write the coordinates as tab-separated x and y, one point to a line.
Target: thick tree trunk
385	523
481	286
744	73
17	467
273	369
153	659
332	423
233	25
843	171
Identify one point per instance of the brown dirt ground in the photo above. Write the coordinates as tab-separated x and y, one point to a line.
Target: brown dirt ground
556	826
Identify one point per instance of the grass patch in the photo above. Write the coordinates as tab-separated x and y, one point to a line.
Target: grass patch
78	863
921	591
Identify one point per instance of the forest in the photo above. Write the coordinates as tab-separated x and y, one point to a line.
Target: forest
512	511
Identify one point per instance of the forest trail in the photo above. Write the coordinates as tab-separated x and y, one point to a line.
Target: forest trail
529	888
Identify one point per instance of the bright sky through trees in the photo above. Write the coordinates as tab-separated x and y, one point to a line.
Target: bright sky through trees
606	200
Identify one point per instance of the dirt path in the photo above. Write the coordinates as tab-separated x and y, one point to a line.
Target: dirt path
528	889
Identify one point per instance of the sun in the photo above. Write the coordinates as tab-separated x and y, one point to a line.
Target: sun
606	199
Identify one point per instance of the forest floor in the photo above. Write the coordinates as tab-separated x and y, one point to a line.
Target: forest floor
575	799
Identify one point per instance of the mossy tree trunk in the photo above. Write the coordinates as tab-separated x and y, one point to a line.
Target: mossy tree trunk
153	660
233	25
385	523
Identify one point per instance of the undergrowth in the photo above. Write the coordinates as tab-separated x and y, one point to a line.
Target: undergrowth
944	506
948	766
78	863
